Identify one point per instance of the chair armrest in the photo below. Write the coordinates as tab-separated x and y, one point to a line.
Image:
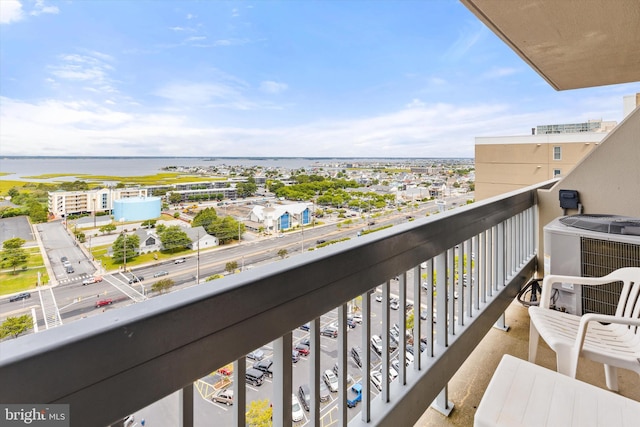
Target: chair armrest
595	317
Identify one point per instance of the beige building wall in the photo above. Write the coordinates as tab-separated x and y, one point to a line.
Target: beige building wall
509	163
607	180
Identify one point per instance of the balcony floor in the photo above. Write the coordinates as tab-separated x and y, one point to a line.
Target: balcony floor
468	385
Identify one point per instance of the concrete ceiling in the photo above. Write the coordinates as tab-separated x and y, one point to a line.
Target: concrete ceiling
571	43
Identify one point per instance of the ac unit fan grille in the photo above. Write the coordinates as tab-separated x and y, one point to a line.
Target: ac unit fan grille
599	258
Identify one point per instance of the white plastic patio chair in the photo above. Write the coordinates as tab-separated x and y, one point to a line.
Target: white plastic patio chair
611	340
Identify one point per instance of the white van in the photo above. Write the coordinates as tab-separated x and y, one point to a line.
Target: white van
296	409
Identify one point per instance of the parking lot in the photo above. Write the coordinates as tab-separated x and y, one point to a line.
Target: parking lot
301	369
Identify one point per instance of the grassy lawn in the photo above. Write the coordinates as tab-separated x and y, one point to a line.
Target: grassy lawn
24	279
100	253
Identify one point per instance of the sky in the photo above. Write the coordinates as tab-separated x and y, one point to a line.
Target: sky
330	78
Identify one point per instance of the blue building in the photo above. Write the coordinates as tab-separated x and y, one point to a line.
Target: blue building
136	208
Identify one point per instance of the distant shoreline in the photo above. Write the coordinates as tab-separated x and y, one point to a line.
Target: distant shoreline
214	158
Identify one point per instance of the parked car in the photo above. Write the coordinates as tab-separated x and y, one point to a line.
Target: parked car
69	269
91	280
376	380
376	344
331	380
160	273
320	241
254	376
350	322
357	317
296	409
356	395
103	302
329	331
325	393
304	393
256	355
180	261
224	396
226	370
295	356
394	304
264	365
20	296
305	327
356	355
64	259
303	349
136	279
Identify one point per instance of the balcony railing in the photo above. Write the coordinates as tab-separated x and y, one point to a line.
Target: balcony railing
113	364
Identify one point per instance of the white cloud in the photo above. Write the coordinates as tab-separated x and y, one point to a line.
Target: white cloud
190	16
10	11
469	36
272	87
40	8
197	93
93	69
101	129
415	103
496	73
195	38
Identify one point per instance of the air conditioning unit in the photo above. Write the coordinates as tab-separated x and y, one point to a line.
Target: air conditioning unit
590	246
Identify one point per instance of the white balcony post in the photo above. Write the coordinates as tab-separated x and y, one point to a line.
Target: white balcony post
239	392
417	323
314	371
282	376
185	406
366	359
442	404
342	364
451	283
500	250
402	345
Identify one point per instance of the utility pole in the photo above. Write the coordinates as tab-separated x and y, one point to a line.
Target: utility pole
302	235
198	261
124	243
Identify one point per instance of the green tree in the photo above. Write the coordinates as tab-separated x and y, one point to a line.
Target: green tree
259	413
247	189
14	326
231	266
226	229
410	320
125	247
175	198
282	253
37	212
13	254
107	228
204	218
162	285
174	238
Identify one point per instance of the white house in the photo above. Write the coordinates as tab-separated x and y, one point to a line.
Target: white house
281	217
200	239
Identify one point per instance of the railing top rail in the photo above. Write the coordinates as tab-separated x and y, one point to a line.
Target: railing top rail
174	339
